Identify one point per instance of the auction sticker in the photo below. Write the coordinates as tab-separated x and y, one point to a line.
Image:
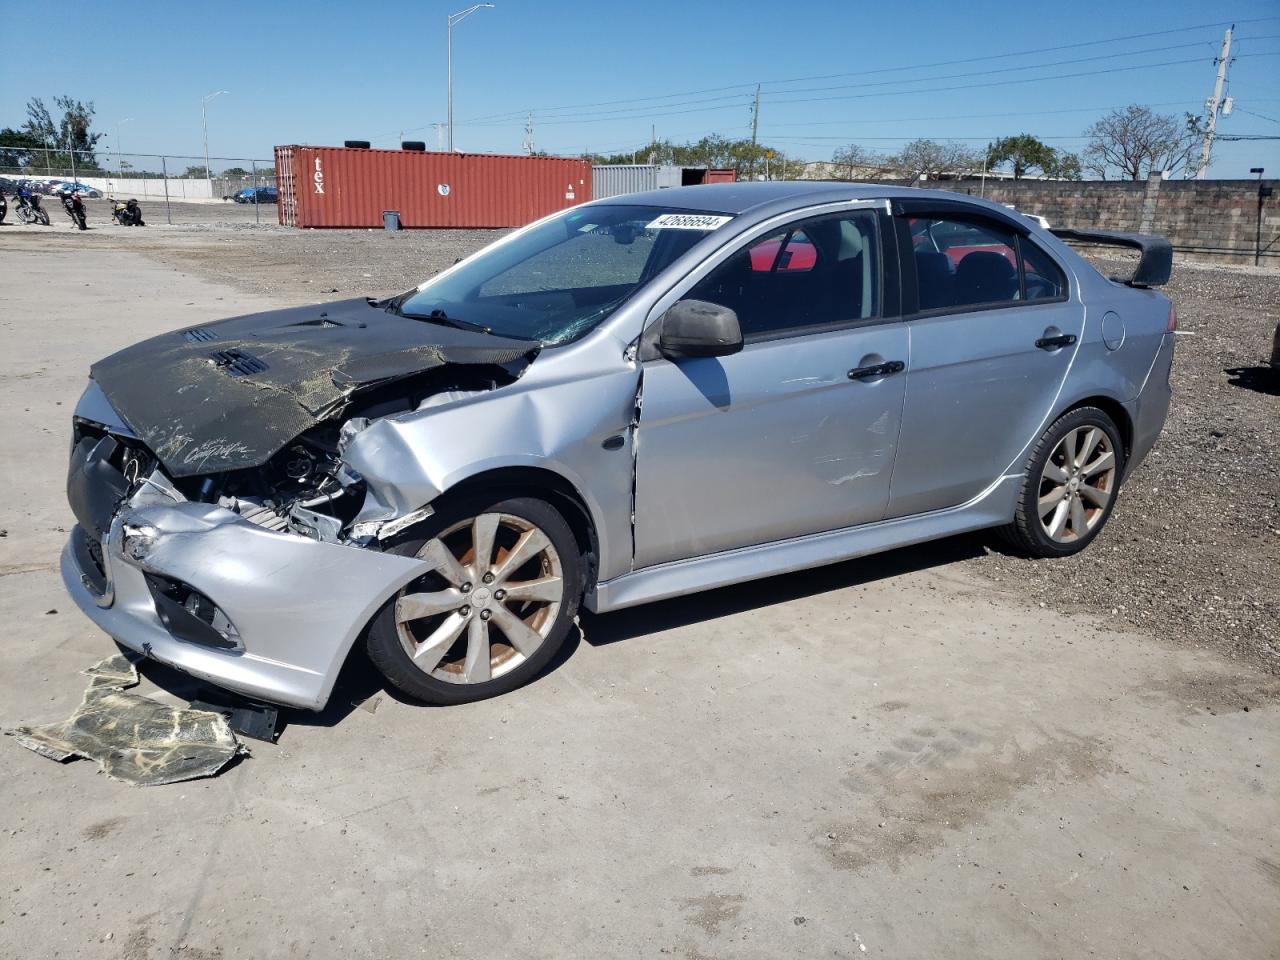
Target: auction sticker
688	221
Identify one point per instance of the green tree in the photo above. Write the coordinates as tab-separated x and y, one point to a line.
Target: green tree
713	150
235	172
17	148
1023	153
195	173
1065	166
71	132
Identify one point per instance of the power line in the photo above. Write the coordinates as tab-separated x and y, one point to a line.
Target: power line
880	70
974	116
557	113
899	93
1258	115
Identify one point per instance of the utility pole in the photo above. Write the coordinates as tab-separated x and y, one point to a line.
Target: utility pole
528	134
755	126
1214	104
653	143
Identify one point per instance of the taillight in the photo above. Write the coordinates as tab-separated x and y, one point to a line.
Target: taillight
1173	318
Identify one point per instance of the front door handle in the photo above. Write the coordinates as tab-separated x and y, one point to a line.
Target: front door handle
877	370
1055	343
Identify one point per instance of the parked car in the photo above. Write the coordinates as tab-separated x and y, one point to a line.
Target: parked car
76	187
623	402
259	195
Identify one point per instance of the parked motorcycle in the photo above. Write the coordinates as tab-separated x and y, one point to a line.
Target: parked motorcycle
4	207
126	213
74	206
29	208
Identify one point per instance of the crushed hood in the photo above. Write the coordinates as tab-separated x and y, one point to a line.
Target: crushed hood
229	395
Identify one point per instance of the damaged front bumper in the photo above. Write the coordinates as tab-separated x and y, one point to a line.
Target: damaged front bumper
268	613
294	606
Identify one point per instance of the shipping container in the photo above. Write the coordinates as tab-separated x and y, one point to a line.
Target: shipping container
340	187
614	180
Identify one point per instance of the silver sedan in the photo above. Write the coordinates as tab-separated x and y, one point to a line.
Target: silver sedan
629	400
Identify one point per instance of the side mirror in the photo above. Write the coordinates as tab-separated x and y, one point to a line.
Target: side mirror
696	328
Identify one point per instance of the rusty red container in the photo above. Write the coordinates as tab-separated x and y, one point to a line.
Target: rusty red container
341	187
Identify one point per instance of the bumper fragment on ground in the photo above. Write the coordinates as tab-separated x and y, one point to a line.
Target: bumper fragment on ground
134	739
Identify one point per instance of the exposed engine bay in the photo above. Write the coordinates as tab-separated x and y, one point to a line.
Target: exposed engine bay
253	413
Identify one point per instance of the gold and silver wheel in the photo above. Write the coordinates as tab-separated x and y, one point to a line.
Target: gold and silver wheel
498	593
489	603
1070	485
1077	484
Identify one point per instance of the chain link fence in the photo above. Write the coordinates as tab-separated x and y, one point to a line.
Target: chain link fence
172	179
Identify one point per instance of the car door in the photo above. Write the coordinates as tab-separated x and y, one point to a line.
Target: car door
797	433
991	342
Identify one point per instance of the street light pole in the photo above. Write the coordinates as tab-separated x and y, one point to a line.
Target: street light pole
452	19
204	116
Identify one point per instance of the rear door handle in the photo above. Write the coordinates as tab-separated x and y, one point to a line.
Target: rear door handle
1054	343
877	370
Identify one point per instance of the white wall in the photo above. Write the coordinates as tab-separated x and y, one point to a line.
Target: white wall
180	188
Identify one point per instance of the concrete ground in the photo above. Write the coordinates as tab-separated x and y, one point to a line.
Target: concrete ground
890	757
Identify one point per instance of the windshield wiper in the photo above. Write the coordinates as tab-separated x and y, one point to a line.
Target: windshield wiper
439	316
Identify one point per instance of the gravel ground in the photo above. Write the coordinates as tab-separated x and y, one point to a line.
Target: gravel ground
1192	552
1193	549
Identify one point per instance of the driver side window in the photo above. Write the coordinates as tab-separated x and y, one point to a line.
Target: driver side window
824	271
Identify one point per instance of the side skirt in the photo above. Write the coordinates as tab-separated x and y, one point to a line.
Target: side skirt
993	507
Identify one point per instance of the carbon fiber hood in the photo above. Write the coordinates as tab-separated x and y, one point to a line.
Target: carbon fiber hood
229	395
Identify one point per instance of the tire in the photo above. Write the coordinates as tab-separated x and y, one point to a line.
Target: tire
1063	506
425	642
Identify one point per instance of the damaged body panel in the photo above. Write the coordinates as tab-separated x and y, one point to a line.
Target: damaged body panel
623	402
134	739
231	394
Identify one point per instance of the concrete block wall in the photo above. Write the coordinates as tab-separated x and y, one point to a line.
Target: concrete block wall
1213	220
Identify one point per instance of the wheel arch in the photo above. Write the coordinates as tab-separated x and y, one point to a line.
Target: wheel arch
555	489
1115	410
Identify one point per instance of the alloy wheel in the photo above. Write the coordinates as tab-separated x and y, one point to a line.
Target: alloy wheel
490	601
1077	484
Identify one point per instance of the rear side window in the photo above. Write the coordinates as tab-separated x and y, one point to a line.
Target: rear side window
965	262
1044	278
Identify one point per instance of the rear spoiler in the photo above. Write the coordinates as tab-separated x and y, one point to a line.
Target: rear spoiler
1155	260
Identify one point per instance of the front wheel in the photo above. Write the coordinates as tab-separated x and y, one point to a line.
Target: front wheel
42	217
1070	485
496	603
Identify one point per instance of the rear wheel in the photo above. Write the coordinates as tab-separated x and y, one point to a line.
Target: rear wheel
1070	485
496	604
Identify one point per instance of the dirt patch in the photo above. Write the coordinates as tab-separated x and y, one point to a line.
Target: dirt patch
103	828
933	782
710	912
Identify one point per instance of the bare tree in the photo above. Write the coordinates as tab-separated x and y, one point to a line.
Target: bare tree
929	158
1137	141
855	162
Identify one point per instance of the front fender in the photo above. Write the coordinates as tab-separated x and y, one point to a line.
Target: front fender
410	460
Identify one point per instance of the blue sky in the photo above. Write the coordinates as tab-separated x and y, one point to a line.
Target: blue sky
321	72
